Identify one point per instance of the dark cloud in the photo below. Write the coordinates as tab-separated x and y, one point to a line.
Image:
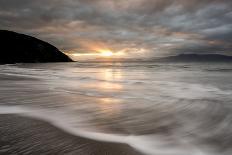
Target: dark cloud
155	27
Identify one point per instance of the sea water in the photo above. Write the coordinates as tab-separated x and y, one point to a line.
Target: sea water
157	108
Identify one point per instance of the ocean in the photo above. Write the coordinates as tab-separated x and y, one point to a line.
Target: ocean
156	108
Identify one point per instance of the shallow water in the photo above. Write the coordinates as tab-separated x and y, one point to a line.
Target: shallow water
157	108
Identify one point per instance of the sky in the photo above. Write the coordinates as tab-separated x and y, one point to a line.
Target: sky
89	29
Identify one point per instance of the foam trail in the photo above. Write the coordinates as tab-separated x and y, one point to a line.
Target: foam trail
147	144
60	123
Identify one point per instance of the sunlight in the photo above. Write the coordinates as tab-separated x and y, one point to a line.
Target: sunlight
109	106
97	53
110	81
107	53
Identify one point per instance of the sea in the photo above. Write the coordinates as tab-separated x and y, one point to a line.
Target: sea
156	108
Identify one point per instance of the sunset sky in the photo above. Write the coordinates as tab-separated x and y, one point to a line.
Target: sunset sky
87	29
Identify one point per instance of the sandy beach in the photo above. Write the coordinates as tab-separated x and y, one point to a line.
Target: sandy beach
22	135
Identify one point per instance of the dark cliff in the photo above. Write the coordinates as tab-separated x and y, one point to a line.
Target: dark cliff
20	48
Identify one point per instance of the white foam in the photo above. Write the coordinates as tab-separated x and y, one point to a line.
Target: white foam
147	144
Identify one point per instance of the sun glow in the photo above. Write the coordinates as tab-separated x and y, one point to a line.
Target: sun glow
98	53
106	53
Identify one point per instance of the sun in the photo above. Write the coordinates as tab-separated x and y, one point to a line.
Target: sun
107	54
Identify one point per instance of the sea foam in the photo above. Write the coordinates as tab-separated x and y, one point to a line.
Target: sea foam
148	144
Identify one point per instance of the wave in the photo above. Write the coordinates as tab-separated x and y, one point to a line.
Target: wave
148	144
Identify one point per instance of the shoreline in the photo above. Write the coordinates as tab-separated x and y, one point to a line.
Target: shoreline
25	135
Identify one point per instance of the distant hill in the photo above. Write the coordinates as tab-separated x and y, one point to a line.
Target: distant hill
20	48
196	58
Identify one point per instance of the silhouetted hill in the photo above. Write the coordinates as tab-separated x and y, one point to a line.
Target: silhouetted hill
197	58
20	48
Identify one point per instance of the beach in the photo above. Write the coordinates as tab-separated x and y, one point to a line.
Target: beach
22	135
116	109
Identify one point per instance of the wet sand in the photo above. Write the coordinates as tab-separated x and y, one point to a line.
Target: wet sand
26	136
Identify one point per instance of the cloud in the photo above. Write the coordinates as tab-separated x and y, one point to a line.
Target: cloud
157	27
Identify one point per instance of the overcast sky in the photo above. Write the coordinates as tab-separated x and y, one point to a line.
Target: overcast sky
133	28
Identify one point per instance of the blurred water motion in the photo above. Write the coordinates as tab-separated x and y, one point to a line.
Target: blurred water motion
158	108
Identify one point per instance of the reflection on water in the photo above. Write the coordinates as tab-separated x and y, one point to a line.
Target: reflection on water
104	86
162	107
111	74
108	79
109	106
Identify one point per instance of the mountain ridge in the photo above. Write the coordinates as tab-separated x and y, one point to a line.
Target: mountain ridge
196	58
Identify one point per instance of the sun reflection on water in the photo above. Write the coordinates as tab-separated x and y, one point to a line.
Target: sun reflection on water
111	74
102	85
109	106
109	81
